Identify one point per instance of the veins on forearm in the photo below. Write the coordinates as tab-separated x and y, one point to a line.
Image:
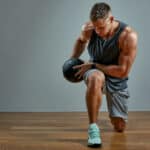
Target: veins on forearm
112	70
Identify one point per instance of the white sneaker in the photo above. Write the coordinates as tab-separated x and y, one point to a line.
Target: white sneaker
94	139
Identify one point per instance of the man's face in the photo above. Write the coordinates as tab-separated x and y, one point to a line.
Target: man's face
102	26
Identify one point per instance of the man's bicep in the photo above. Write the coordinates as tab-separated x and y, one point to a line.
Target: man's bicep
126	61
128	53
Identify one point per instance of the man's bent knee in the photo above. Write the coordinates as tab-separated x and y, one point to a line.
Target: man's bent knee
96	79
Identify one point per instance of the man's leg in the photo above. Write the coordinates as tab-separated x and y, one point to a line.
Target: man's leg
94	80
118	123
118	108
94	83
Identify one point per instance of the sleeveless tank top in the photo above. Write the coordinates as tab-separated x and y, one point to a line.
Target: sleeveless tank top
107	52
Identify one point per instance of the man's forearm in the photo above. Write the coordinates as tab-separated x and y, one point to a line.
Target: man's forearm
78	48
112	70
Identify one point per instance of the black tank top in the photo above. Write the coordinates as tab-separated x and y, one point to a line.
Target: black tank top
107	52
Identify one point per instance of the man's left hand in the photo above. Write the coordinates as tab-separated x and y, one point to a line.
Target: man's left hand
82	69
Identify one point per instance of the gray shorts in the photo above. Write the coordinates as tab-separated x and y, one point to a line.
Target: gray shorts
117	102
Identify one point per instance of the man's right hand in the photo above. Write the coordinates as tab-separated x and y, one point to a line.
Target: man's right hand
82	40
87	26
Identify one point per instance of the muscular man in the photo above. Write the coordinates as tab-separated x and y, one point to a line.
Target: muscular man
112	47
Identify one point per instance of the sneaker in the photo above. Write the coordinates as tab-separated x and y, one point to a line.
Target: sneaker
94	139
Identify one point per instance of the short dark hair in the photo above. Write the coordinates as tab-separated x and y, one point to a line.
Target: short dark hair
99	10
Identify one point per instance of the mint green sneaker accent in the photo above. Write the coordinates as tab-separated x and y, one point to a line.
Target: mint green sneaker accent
94	139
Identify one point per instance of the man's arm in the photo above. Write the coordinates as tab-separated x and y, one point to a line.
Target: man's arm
128	46
82	40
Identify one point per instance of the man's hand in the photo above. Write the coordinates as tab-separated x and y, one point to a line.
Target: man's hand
82	69
87	26
82	40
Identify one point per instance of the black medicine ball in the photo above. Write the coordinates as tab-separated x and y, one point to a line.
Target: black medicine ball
69	72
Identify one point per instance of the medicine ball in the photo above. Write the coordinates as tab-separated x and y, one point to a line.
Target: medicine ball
69	72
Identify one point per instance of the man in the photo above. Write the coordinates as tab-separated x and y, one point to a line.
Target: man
112	46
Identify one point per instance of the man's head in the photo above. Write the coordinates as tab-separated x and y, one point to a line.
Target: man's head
101	18
100	11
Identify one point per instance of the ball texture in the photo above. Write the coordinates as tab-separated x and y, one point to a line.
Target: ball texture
69	72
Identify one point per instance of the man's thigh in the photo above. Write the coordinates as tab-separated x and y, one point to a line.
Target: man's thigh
117	103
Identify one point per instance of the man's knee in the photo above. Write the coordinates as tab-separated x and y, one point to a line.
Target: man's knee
96	80
118	123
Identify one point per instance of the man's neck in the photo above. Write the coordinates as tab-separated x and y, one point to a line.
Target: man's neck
114	28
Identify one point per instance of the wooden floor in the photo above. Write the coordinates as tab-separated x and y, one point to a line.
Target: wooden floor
68	131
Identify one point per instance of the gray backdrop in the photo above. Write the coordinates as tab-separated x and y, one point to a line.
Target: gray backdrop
37	36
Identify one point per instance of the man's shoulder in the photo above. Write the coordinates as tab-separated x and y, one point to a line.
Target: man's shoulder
128	34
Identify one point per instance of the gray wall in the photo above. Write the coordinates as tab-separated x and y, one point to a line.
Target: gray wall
37	36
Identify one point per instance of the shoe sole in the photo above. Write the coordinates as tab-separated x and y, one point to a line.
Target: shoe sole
95	145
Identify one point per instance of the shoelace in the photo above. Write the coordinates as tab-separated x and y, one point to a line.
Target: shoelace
94	133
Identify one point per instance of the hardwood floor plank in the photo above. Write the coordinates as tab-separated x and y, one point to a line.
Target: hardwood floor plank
68	130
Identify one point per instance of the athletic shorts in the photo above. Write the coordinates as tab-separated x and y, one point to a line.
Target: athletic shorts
117	102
